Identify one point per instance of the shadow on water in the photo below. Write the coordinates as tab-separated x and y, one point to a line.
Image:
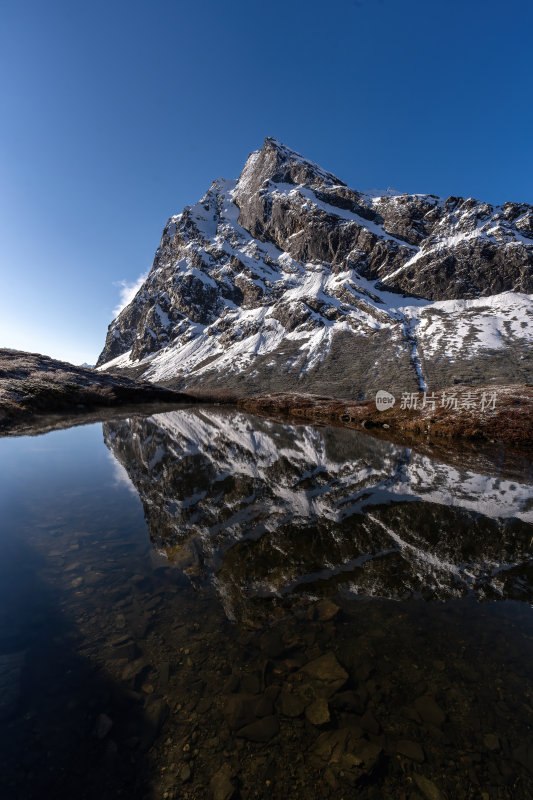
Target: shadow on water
64	721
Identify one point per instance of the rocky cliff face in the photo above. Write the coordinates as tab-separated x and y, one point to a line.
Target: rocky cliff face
289	278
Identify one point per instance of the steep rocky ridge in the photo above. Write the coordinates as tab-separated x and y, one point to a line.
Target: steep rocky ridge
289	276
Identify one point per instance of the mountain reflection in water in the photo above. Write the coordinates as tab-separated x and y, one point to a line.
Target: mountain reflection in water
264	509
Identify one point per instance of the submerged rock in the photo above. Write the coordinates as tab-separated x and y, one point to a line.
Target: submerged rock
240	710
411	750
221	785
325	674
262	730
491	741
318	712
429	710
291	705
156	712
342	749
428	788
325	610
330	745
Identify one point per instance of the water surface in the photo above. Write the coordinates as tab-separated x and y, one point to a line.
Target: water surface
205	601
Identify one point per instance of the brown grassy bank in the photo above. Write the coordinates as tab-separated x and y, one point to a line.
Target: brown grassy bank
507	418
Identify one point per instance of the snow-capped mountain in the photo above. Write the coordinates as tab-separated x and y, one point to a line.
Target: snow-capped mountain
289	278
264	508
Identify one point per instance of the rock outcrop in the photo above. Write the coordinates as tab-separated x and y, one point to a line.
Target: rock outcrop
33	384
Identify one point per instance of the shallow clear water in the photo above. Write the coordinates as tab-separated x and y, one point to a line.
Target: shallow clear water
204	602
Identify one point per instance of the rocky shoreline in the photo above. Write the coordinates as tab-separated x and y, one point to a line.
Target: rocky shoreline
486	413
32	385
36	388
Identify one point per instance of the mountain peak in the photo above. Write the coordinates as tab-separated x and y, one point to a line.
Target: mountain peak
289	156
289	274
277	163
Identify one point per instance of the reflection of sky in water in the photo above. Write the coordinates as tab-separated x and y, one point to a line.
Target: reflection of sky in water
120	474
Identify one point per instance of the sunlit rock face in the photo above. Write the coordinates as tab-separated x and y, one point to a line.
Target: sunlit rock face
265	510
287	276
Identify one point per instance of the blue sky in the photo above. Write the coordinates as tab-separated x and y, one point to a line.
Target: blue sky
117	114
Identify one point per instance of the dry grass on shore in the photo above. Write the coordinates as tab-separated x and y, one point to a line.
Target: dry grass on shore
510	420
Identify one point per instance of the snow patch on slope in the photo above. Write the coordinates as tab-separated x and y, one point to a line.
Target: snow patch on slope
453	327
